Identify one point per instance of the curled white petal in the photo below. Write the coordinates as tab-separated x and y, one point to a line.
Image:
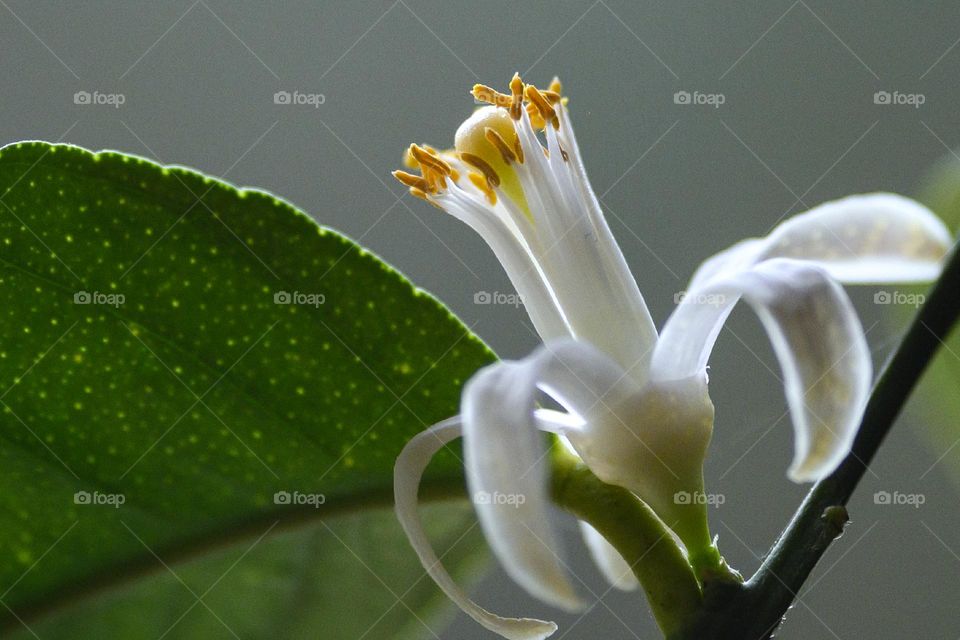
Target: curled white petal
612	565
503	453
816	336
409	469
872	238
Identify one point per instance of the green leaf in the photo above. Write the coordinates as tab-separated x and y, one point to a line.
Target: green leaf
149	356
940	401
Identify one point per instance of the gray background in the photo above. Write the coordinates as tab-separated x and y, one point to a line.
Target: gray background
679	182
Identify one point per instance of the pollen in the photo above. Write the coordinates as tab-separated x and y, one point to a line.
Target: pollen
516	96
489	95
483	184
430	160
435	171
483	167
412	181
487	142
542	105
508	153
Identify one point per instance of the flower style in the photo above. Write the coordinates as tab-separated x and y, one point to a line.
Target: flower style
635	406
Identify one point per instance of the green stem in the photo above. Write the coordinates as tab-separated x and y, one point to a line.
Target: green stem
637	533
755	609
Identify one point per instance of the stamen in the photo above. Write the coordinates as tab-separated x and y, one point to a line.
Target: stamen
435	180
518	149
482	166
536	120
411	180
427	159
516	96
543	105
555	86
482	183
489	95
409	161
552	96
497	141
473	142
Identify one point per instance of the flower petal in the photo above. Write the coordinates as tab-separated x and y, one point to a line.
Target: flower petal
581	377
578	253
649	439
502	449
614	568
507	243
409	469
873	238
818	340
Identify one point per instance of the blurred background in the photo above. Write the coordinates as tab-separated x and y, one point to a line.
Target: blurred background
700	124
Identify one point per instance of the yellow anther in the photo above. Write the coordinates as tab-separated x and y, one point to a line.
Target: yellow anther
488	142
516	96
542	104
409	161
552	96
489	95
509	155
430	160
444	156
479	163
536	119
480	182
436	180
411	180
518	150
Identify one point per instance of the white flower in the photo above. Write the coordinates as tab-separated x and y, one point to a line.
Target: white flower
636	405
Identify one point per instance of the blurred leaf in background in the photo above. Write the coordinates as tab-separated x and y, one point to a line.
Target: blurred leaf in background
939	393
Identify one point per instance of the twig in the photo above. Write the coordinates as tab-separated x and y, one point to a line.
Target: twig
755	609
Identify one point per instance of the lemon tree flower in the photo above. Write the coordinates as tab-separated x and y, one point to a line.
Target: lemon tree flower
634	404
